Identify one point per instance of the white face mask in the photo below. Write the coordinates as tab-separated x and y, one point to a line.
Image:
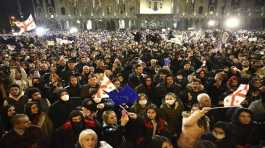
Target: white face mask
97	100
143	102
170	102
218	136
65	97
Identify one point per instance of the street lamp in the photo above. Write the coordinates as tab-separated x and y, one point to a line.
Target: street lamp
212	23
40	31
232	22
73	30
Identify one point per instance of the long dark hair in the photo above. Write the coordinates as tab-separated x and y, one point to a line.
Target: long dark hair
6	120
29	105
155	109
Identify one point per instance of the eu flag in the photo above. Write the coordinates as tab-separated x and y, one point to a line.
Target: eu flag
125	95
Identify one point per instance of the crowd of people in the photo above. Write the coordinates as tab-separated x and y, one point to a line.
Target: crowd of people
48	90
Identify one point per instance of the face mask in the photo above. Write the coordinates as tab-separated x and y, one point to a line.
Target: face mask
78	126
143	102
218	136
170	102
65	97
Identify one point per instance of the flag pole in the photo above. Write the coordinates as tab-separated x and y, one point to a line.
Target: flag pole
19	9
216	108
123	108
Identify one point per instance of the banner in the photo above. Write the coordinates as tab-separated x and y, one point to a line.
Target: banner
89	25
121	24
156	6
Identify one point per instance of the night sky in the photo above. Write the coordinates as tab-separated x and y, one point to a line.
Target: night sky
10	8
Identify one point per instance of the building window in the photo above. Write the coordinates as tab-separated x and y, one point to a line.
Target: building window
200	10
211	9
223	10
63	11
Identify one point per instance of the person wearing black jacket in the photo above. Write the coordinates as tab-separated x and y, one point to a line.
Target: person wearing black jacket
16	98
136	78
7	113
68	71
148	88
60	110
166	87
243	130
219	135
90	88
23	134
66	136
74	88
112	131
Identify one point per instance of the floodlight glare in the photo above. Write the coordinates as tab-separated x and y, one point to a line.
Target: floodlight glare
211	23
232	22
40	31
73	30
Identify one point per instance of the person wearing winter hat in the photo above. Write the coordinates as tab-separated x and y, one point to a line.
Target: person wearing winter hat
34	94
16	98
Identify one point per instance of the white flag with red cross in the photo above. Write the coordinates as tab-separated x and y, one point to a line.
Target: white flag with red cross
237	97
27	25
105	86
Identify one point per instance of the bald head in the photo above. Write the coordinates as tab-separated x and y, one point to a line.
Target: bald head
204	100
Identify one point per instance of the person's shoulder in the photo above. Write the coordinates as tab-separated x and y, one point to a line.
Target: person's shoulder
255	103
34	127
84	86
104	144
67	87
132	75
7	134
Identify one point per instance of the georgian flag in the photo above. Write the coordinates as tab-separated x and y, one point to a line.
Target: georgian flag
105	86
27	25
237	97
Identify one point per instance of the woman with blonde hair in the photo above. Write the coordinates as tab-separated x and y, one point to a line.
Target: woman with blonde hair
89	139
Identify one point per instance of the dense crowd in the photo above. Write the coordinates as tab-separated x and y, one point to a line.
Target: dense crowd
48	90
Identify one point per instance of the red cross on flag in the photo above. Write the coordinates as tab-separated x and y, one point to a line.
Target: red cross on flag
105	86
237	97
27	25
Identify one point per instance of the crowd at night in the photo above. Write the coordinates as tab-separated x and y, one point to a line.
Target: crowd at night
50	91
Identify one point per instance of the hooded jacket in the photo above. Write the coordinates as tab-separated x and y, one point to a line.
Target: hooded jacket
244	135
